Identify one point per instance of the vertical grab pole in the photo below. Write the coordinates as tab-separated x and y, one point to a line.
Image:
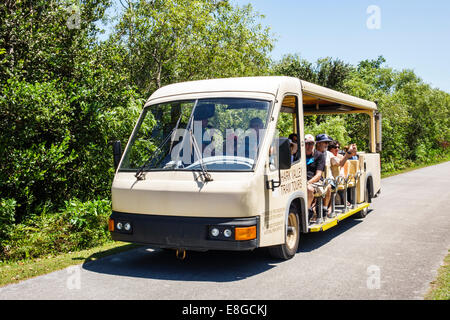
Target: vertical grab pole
345	193
333	182
319	207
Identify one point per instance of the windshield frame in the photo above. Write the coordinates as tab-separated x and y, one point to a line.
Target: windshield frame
195	100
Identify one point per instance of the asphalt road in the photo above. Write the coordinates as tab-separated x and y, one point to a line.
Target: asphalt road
393	253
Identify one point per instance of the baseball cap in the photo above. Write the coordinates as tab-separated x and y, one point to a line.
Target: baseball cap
323	138
309	138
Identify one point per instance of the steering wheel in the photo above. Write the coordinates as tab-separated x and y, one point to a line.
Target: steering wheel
224	160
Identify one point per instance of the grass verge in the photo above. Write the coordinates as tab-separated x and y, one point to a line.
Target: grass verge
13	272
440	287
415	167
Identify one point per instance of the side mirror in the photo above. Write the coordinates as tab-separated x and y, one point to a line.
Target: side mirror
284	162
117	153
284	154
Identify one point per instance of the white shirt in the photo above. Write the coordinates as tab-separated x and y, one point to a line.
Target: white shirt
328	157
336	160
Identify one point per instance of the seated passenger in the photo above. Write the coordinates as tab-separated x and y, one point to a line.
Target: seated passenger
246	147
351	150
336	157
322	141
338	160
315	164
293	139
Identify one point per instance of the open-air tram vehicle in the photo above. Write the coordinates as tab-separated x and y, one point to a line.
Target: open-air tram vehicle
205	167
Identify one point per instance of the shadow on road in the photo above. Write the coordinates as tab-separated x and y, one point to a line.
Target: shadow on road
214	266
314	240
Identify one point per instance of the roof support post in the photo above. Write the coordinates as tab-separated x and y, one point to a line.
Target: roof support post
372	132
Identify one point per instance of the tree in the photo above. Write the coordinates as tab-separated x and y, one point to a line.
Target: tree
325	72
62	100
37	42
179	40
294	66
415	116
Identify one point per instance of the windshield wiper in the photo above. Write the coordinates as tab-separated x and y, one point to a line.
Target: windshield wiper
206	174
140	171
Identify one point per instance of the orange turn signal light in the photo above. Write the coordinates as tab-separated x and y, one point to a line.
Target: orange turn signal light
245	233
111	225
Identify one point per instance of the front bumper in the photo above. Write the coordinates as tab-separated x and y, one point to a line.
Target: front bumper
190	233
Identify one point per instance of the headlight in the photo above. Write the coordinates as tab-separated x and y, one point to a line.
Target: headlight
214	232
227	233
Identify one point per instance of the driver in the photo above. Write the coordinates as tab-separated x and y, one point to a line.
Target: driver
202	114
256	124
251	147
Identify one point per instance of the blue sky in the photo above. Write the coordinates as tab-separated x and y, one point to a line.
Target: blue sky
413	34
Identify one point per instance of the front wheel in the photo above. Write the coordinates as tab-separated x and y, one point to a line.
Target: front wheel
289	248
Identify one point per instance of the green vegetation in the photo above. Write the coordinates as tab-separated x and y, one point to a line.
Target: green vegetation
416	117
440	288
15	271
66	95
415	166
78	225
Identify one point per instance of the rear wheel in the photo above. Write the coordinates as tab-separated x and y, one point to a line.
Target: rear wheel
289	248
363	212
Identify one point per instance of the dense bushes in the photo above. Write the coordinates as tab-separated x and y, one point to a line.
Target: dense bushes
78	225
34	143
416	118
7	219
63	100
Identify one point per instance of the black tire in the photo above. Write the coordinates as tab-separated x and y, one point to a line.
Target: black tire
287	250
363	213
